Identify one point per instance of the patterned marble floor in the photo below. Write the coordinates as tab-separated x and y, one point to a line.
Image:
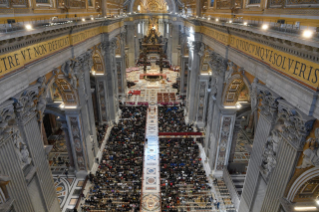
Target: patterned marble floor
151	178
149	90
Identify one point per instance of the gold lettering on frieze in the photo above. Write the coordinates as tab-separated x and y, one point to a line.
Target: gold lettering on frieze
82	36
17	59
219	36
302	70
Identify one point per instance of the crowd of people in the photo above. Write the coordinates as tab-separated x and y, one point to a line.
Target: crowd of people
171	119
184	185
116	186
100	133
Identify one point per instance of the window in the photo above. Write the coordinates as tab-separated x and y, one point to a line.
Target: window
212	3
43	1
254	1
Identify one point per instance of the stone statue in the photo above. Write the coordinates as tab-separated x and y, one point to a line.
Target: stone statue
21	147
310	155
230	71
25	155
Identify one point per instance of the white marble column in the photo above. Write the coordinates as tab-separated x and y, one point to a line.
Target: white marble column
196	50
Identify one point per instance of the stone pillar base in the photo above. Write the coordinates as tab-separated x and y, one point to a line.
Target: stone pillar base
217	174
81	174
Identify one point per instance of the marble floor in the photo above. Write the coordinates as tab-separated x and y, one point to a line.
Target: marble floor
151	89
151	200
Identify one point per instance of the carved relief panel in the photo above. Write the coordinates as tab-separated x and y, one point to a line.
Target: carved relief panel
224	138
77	139
101	95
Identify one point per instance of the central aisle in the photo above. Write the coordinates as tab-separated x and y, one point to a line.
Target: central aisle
151	200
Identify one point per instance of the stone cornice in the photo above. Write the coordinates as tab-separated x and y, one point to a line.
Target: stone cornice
14	41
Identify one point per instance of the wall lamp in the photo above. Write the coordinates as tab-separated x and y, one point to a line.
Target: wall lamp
28	27
264	26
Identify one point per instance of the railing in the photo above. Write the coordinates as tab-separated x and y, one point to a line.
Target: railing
39	23
231	188
295	30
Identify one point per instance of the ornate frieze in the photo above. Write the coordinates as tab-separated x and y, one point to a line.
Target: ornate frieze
291	125
311	154
268	101
24	102
6	118
8	127
296	126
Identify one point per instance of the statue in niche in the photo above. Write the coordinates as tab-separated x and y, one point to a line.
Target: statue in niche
310	155
21	147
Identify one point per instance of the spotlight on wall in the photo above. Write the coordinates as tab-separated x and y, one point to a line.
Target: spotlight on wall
307	33
83	19
217	19
238	105
245	23
61	105
28	27
264	26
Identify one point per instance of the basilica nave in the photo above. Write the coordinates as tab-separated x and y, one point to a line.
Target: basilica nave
159	105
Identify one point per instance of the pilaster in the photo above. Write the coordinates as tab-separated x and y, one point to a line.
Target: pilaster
196	50
110	79
33	150
268	109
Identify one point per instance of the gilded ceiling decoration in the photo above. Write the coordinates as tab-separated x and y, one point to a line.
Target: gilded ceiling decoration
151	6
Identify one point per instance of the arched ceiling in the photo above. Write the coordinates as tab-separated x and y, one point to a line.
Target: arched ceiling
152	6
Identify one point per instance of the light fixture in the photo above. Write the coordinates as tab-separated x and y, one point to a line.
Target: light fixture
305	208
99	74
238	105
61	105
217	19
245	23
264	26
83	19
230	21
92	19
70	107
317	201
307	33
28	26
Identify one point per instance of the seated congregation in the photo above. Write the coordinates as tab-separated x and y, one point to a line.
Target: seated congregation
116	185
184	185
171	119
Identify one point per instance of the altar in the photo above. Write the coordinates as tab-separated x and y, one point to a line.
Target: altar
153	76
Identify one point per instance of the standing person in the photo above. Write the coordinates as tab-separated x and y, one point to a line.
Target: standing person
217	205
59	178
66	172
